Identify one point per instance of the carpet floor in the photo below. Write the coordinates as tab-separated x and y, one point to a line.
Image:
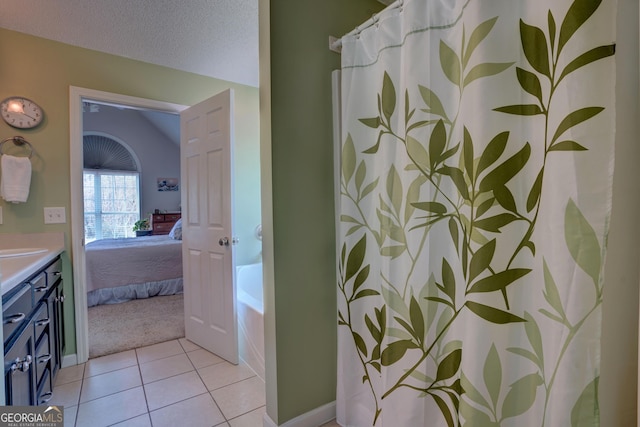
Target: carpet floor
118	327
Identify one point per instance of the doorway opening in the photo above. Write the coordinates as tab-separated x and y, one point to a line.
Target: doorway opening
78	96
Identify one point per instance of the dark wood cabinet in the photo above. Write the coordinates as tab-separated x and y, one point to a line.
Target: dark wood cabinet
19	375
163	223
33	317
55	301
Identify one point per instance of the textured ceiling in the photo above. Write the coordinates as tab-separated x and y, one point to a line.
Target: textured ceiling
216	38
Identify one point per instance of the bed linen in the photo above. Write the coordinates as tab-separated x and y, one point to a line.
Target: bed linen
119	270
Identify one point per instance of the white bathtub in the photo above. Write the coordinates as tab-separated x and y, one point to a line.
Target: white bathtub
250	316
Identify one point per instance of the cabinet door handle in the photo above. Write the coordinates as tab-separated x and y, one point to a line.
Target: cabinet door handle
61	298
22	365
14	318
43	322
44	359
25	363
45	397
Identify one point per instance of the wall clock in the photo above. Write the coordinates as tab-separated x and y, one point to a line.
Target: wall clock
21	113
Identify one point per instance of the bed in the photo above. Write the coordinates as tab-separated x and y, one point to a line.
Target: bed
120	270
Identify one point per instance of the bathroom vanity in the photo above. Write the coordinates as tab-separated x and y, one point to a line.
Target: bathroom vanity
33	321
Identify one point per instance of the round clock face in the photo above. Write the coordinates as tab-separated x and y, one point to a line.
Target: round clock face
21	113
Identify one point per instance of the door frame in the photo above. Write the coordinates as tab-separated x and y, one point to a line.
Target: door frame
76	97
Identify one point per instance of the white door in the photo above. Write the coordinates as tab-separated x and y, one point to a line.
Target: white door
206	141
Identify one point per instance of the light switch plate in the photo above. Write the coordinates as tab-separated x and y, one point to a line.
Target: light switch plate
55	216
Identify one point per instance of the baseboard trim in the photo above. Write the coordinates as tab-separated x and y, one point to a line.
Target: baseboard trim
69	360
313	418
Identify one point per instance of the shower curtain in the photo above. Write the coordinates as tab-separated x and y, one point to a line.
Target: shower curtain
476	175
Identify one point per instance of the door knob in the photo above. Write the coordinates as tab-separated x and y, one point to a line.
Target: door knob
224	241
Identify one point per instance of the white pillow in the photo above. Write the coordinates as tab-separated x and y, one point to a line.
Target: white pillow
176	231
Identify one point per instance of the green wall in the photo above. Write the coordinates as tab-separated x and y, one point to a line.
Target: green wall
43	70
618	394
301	292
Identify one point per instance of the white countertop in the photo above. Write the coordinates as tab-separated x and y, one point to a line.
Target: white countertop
14	270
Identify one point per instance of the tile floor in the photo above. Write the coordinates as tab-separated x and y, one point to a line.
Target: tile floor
169	384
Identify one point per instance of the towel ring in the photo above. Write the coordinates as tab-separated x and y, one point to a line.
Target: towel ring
18	140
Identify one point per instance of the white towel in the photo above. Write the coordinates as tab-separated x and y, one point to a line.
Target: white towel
16	178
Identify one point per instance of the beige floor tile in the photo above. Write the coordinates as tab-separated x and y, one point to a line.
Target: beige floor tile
70	374
66	394
199	411
159	351
174	389
223	374
165	368
241	397
111	362
111	392
112	409
251	419
70	416
140	421
188	345
110	383
202	358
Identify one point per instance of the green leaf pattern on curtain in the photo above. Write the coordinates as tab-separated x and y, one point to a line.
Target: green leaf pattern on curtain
468	193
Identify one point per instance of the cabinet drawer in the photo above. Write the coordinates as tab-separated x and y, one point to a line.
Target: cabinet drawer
41	320
54	272
16	310
162	227
43	357
40	286
171	217
45	391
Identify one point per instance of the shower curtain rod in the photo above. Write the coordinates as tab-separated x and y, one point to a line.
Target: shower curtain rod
335	44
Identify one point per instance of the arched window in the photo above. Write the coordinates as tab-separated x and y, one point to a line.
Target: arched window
111	188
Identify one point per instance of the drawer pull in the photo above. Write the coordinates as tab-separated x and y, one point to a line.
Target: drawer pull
45	397
21	365
43	322
56	273
44	359
14	318
40	289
